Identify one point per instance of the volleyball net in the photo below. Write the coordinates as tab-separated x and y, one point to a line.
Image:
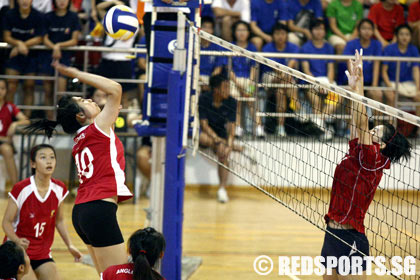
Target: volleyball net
295	130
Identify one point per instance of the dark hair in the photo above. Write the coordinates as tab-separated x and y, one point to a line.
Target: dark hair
279	26
365	20
207	19
146	246
397	146
402	26
11	257
35	150
67	109
316	23
217	80
235	25
54	2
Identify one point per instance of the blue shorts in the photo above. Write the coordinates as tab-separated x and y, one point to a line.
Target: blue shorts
45	59
335	247
23	64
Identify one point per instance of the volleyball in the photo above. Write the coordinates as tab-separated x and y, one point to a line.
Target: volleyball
121	23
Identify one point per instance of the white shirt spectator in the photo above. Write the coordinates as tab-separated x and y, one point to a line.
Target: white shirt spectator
148	8
42	6
242	6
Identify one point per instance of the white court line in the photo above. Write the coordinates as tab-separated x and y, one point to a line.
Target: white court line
293	276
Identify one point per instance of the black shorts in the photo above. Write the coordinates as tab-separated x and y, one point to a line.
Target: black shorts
335	247
96	223
116	69
37	263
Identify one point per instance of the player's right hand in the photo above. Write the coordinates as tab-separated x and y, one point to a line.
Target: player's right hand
24	243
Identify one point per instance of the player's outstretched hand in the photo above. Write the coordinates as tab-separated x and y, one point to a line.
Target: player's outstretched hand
76	253
355	70
64	70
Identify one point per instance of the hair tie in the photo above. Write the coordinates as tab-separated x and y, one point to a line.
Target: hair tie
142	252
390	139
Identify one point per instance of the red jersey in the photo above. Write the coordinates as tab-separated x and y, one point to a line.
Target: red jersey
100	163
355	181
36	215
414	12
122	272
386	20
8	112
118	272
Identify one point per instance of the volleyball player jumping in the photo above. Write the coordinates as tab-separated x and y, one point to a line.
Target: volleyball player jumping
99	157
357	176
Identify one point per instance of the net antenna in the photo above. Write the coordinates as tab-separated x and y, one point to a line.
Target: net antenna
297	170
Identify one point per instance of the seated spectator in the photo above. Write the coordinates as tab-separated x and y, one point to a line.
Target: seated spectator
264	15
23	28
243	74
409	79
386	16
146	247
62	30
41	6
227	12
10	118
300	14
209	64
343	16
324	103
371	47
217	111
414	21
14	261
281	45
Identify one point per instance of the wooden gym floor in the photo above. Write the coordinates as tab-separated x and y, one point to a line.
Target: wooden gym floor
228	237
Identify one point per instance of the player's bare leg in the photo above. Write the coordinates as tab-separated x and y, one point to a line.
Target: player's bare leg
47	271
110	255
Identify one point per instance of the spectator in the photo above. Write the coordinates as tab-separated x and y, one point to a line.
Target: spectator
209	64
386	16
14	261
343	16
146	247
62	30
10	118
23	28
227	12
414	21
41	6
281	45
4	7
217	111
301	13
371	47
264	15
243	74
324	103
116	65
409	80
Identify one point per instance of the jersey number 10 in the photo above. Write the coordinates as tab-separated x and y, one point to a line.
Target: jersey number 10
84	168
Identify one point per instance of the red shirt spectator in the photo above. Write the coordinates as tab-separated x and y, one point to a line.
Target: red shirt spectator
386	19
414	12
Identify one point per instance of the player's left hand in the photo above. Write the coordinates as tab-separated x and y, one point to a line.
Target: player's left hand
76	253
11	131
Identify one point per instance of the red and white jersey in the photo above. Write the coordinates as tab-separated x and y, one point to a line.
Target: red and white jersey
36	215
355	181
118	272
8	112
100	164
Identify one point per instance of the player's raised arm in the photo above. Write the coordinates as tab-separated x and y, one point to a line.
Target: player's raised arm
358	110
113	90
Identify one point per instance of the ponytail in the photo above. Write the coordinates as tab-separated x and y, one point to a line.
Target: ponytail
146	247
47	126
67	109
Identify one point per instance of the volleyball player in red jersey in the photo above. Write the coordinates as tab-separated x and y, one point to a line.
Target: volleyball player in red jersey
99	157
146	247
357	176
33	212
